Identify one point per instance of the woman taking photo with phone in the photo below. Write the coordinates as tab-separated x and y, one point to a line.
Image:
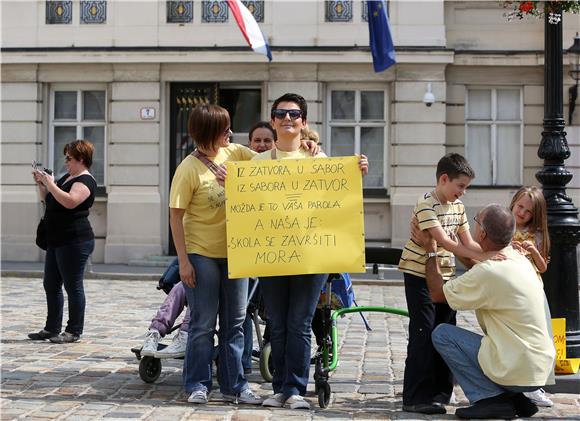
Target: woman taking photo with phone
70	240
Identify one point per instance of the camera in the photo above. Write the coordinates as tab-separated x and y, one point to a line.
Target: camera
428	98
39	167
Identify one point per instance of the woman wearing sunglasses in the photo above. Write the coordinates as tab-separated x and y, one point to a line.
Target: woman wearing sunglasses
291	300
70	240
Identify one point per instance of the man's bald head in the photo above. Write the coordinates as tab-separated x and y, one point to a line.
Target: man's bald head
498	223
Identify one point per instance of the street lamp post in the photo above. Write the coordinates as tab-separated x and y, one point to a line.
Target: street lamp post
561	278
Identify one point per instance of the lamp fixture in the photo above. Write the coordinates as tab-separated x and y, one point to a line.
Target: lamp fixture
574	53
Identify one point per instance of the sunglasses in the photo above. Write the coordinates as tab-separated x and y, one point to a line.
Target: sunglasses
67	158
281	113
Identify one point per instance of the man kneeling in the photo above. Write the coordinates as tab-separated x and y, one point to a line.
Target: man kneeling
516	353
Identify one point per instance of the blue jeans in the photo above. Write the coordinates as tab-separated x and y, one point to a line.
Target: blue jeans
290	303
214	293
459	348
65	265
248	329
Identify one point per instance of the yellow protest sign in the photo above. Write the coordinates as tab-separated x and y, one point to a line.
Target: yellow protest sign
294	216
559	332
563	365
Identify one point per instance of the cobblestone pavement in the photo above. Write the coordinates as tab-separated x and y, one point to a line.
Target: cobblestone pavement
98	378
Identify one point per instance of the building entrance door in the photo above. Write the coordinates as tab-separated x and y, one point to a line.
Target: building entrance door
243	103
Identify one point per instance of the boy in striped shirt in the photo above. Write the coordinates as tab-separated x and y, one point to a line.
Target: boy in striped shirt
428	383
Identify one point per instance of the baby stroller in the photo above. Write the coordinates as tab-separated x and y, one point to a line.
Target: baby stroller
150	367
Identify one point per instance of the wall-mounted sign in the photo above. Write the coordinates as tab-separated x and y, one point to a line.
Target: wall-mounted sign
147	113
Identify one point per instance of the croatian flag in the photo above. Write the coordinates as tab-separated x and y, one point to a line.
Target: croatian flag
250	29
380	40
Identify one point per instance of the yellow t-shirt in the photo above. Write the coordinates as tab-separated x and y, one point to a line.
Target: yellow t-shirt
517	349
299	154
195	189
431	213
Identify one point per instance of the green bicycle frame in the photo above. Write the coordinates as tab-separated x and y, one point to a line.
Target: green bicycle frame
338	313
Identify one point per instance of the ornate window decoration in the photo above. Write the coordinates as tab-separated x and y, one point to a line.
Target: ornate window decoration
58	12
365	12
93	11
338	10
179	11
256	7
214	11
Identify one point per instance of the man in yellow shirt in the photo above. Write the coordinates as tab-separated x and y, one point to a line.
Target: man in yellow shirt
516	353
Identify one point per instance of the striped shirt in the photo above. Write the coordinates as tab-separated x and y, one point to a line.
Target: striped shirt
431	213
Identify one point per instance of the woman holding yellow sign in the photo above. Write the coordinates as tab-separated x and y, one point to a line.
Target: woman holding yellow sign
291	300
197	218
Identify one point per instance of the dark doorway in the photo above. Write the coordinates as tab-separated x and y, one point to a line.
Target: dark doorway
244	103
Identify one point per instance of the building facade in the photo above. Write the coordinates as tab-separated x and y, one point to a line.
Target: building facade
126	74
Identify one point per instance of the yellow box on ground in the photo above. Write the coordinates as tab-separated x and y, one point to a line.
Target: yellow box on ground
563	365
288	217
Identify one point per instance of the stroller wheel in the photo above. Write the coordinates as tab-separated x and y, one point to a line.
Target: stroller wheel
323	392
266	363
149	369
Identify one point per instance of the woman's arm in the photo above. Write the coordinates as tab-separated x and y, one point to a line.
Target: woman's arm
186	271
539	260
77	195
41	187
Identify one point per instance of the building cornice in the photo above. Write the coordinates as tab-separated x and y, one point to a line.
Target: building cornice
179	54
282	54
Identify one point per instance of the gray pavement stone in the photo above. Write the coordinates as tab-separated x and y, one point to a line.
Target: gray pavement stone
98	378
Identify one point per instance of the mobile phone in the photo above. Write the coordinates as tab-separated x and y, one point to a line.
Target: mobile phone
38	166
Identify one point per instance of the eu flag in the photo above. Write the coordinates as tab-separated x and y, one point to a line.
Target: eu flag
380	39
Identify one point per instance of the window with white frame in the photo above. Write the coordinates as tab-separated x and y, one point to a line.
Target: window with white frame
357	125
78	113
493	135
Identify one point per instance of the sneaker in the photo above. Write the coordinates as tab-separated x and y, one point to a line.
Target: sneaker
176	349
64	338
275	401
525	408
296	402
42	335
246	396
539	398
150	345
198	396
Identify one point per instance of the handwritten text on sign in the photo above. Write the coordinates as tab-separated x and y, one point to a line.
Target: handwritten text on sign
294	216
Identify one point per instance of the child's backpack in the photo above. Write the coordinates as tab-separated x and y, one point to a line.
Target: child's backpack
170	277
342	291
